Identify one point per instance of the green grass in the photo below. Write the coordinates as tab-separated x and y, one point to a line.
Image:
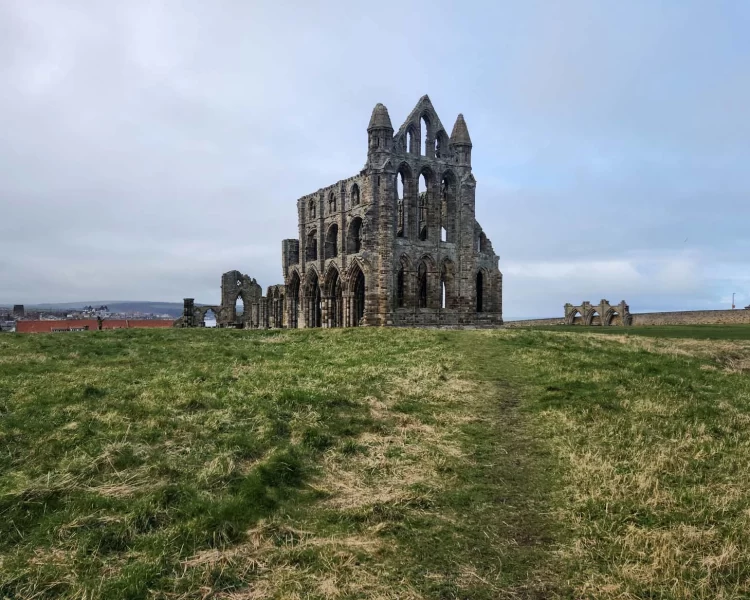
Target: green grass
699	332
368	463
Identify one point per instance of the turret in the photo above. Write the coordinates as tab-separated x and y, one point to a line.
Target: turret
379	131
461	142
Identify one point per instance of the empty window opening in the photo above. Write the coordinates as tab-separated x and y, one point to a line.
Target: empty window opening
480	292
441	145
335	299
355	195
294	301
331	247
332	203
410	142
354	239
400	204
424	129
359	298
311	209
239	307
448	208
312	245
209	319
314	308
442	293
422	204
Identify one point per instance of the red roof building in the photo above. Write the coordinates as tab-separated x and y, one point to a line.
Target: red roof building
67	325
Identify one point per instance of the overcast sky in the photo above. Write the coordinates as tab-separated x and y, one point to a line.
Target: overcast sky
147	147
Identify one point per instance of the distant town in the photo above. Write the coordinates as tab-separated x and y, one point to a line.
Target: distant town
11	316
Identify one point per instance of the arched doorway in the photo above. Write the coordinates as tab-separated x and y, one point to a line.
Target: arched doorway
294	285
480	292
334	299
239	308
358	296
209	319
314	312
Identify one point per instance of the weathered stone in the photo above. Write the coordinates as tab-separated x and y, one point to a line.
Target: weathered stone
598	314
371	252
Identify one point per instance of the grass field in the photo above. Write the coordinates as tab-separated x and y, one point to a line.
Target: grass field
698	332
368	463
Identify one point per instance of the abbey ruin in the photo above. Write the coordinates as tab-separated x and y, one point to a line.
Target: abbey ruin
396	244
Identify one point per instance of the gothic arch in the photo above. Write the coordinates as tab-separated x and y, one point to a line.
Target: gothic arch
294	288
332	241
448	284
354	236
357	284
404	276
333	298
411	137
313	299
448	206
425	202
355	263
404	204
441	145
354	195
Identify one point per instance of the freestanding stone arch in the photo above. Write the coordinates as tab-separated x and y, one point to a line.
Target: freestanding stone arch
603	314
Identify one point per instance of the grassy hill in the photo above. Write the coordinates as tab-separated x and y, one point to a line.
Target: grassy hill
369	463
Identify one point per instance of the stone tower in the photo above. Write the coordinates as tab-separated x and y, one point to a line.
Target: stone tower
398	243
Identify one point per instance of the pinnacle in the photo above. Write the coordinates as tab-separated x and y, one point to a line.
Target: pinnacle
460	134
380	118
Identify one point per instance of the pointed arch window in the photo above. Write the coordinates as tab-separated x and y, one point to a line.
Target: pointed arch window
311	209
332	203
355	195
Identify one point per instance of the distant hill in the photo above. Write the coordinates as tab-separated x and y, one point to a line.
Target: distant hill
173	309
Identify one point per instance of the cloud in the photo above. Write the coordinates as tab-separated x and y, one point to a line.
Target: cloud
149	147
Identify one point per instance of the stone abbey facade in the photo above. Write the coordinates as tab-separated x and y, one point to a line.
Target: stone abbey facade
396	244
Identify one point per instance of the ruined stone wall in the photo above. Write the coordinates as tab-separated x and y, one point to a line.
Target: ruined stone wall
367	255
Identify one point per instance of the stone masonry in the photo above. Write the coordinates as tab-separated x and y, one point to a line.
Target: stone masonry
397	244
598	314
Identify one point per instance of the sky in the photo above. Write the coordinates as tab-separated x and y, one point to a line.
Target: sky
147	147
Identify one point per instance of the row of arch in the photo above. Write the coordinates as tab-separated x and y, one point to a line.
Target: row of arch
331	302
423	206
353	241
592	318
422	141
332	201
425	286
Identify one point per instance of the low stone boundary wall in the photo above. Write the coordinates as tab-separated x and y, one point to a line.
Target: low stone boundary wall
535	322
693	317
